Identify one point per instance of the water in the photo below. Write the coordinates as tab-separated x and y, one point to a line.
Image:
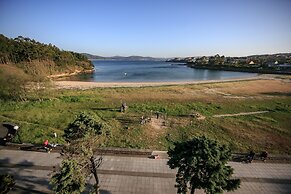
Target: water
152	71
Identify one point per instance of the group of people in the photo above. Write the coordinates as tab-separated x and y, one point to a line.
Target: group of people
263	156
144	120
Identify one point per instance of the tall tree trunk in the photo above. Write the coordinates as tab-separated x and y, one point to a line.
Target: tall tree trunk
192	190
94	171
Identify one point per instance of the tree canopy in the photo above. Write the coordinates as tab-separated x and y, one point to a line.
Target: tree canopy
35	57
69	179
85	124
85	135
202	164
24	62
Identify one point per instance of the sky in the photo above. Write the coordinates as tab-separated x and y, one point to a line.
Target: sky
158	28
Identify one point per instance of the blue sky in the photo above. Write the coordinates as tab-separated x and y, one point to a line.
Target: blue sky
159	28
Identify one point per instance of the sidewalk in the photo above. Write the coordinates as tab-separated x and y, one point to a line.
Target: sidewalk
130	174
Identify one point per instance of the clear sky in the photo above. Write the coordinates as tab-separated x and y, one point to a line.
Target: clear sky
159	28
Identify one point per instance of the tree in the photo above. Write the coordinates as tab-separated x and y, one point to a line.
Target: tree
85	135
80	162
7	182
201	164
47	59
84	124
69	179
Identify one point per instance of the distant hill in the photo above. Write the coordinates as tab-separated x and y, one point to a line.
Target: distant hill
89	56
122	58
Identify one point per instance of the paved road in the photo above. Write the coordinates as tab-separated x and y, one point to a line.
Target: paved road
126	174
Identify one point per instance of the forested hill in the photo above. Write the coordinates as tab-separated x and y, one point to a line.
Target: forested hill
36	58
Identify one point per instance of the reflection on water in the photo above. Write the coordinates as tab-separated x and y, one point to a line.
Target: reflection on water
151	71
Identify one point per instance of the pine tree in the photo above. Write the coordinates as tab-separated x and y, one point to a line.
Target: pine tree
69	179
84	124
85	135
201	164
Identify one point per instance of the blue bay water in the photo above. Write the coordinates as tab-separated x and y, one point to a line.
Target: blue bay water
152	71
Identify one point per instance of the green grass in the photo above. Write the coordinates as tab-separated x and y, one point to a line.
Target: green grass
39	119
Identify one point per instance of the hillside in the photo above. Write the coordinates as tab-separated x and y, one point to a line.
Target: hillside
39	59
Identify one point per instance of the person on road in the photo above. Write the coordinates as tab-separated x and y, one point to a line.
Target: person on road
264	156
47	146
251	156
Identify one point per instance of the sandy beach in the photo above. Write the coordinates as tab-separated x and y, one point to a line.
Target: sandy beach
89	85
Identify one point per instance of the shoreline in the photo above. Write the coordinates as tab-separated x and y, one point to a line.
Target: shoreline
76	72
90	85
238	69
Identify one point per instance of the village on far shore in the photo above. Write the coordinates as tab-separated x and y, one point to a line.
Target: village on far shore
274	63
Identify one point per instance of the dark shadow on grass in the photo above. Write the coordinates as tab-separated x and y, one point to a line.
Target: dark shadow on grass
28	148
286	94
35	148
238	158
108	109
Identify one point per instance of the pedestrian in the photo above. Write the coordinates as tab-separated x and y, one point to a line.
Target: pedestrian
123	107
158	115
47	146
251	156
45	143
264	155
142	120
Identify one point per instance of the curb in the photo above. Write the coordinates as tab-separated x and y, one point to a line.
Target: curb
236	157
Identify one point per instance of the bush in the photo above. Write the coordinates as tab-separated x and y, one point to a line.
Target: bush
7	182
12	83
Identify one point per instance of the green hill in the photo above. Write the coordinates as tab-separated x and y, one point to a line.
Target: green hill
39	59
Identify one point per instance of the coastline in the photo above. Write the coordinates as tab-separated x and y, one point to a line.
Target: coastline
90	85
239	69
76	72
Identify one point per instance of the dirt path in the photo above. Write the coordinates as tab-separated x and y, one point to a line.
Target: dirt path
241	114
157	123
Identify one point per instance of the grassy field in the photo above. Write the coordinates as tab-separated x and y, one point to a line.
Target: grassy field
51	111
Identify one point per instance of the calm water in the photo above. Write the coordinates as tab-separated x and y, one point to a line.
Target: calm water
152	71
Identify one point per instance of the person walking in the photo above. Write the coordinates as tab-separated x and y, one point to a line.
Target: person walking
251	156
